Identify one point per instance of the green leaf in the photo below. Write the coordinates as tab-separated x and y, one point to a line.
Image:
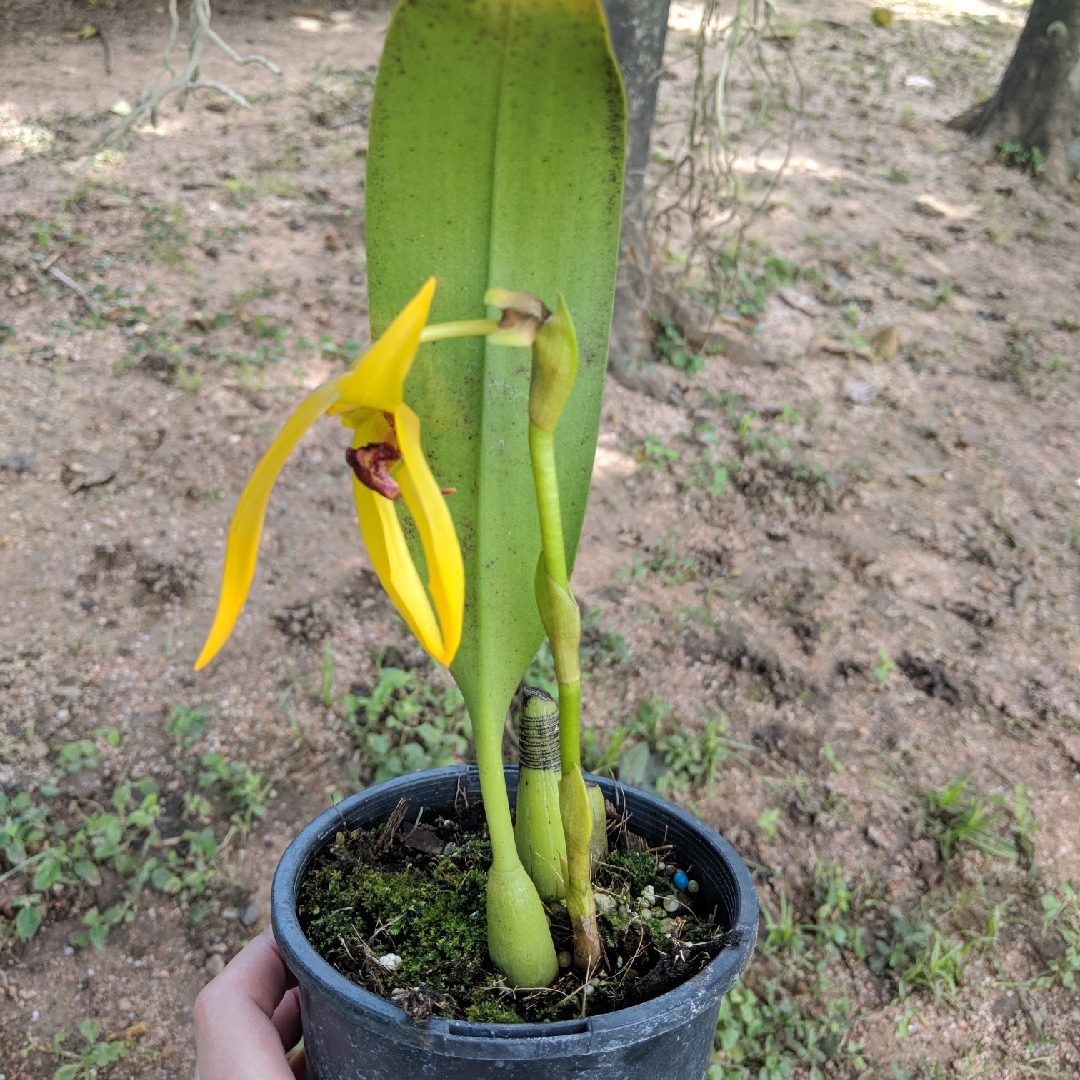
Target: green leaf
48	873
67	1072
98	935
87	871
496	159
27	922
89	1030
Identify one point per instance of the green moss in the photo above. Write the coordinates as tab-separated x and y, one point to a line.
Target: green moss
635	869
356	906
353	911
491	1012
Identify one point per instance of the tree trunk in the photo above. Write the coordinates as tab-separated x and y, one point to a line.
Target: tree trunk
638	33
1038	102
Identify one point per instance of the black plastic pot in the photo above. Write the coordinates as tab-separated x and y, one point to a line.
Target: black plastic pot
351	1034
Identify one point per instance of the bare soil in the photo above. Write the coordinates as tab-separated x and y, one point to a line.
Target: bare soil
880	595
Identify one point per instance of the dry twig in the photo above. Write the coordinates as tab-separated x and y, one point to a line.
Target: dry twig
167	81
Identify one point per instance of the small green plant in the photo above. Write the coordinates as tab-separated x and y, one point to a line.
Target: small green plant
1018	156
186	725
656	454
665	562
164	233
75	756
896	175
1061	915
87	1063
884	668
941	295
671	346
326	675
955	819
407	723
768	821
768	1036
920	957
240	784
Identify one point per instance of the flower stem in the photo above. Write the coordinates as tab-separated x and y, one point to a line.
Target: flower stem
464	328
554	369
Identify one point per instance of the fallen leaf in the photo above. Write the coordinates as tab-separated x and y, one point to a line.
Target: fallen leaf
88	31
332	240
881	16
128	1032
885	341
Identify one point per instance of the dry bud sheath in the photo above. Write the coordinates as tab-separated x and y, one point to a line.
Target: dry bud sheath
539	831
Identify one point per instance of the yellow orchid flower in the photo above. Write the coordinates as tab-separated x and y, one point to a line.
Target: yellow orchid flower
368	398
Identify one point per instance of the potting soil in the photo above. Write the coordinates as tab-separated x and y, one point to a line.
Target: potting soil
401	911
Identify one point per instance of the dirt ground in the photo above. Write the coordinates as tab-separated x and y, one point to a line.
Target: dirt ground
853	535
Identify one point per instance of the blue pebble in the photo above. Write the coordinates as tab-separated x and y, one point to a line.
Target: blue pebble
680	880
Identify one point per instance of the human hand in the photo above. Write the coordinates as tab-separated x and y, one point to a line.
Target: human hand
248	1017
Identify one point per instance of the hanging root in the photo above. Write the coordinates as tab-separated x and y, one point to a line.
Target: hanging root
701	205
167	81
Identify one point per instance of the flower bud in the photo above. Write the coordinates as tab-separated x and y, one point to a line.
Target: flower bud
554	368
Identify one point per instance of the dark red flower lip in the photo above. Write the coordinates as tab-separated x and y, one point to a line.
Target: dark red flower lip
372	464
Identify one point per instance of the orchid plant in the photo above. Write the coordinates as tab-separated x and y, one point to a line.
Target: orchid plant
494	188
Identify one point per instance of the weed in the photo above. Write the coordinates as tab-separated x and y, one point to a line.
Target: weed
1061	914
770	1036
955	819
240	784
828	755
768	821
1017	156
656	454
188	380
884	668
186	725
664	561
920	957
326	675
783	934
666	756
407	723
942	295
671	346
75	756
87	1063
896	175
163	231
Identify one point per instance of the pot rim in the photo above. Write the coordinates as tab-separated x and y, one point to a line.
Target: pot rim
660	1013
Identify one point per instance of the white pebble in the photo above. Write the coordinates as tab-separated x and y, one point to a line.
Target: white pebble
671	905
391	961
693	886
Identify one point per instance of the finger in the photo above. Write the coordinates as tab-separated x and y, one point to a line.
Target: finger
235	1036
286	1019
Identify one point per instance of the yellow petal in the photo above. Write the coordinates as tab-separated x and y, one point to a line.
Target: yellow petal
378	380
247	522
446	572
389	554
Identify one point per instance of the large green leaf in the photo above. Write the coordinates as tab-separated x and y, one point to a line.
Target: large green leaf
497	143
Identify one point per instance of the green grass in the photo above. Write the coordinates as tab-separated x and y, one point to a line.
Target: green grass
956	820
